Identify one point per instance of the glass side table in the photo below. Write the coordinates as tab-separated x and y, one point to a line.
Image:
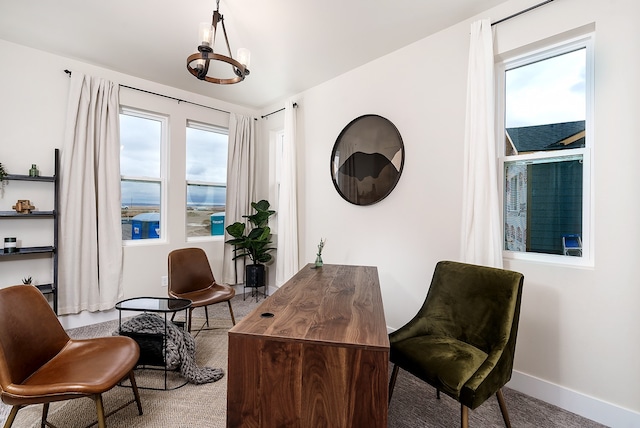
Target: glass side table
153	346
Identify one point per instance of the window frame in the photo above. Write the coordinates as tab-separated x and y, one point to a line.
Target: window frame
510	62
162	180
209	128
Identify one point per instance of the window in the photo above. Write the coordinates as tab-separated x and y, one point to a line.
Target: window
547	151
206	176
142	142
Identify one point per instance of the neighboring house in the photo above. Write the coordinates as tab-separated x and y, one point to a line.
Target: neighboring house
535	219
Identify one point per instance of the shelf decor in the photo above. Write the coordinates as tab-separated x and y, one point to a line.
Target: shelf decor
10	245
3	180
23	206
24	210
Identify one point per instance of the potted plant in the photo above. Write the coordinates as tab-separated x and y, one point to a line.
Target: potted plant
3	175
253	243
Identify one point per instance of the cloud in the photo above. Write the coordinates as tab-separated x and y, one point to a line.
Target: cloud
548	91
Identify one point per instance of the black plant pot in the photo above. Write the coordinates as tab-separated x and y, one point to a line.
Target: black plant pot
254	275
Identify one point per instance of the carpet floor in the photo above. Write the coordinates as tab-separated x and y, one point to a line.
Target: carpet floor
414	403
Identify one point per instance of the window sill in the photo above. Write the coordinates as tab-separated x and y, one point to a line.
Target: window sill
549	259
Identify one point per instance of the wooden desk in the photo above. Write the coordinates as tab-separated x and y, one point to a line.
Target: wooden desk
321	360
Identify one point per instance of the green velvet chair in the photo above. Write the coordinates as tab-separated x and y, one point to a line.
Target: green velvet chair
463	339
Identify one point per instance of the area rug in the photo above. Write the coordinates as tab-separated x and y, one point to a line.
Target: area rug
187	406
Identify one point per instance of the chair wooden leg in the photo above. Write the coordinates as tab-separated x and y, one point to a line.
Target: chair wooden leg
233	319
206	314
12	416
136	394
464	416
503	408
99	410
392	381
45	413
437	393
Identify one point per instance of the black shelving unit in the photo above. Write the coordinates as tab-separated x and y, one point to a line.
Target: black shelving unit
52	250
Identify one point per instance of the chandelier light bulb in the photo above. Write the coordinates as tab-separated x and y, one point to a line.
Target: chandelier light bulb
244	57
205	33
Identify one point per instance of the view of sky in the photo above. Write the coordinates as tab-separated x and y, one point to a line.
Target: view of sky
140	140
140	193
140	150
549	91
206	156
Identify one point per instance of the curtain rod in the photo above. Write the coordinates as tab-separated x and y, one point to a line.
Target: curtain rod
521	12
295	104
167	96
277	111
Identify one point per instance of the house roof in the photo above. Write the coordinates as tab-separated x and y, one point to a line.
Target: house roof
553	136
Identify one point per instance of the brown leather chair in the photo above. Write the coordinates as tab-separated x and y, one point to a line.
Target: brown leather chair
190	277
40	364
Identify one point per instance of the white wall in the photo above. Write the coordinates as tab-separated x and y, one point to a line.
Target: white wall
32	117
578	342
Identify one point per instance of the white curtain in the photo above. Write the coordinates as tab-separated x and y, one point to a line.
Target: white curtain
287	250
481	230
240	188
90	258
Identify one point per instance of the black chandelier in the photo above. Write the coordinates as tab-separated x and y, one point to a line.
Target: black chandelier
199	63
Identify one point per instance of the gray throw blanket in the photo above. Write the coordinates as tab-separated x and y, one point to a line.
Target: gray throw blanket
180	348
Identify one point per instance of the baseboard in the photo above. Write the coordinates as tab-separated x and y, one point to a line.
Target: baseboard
592	408
87	318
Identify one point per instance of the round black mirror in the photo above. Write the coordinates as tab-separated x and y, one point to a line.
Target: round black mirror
367	160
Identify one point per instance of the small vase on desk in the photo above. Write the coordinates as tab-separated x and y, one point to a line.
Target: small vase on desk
318	263
33	172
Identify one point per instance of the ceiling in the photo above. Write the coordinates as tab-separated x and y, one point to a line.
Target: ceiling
294	44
